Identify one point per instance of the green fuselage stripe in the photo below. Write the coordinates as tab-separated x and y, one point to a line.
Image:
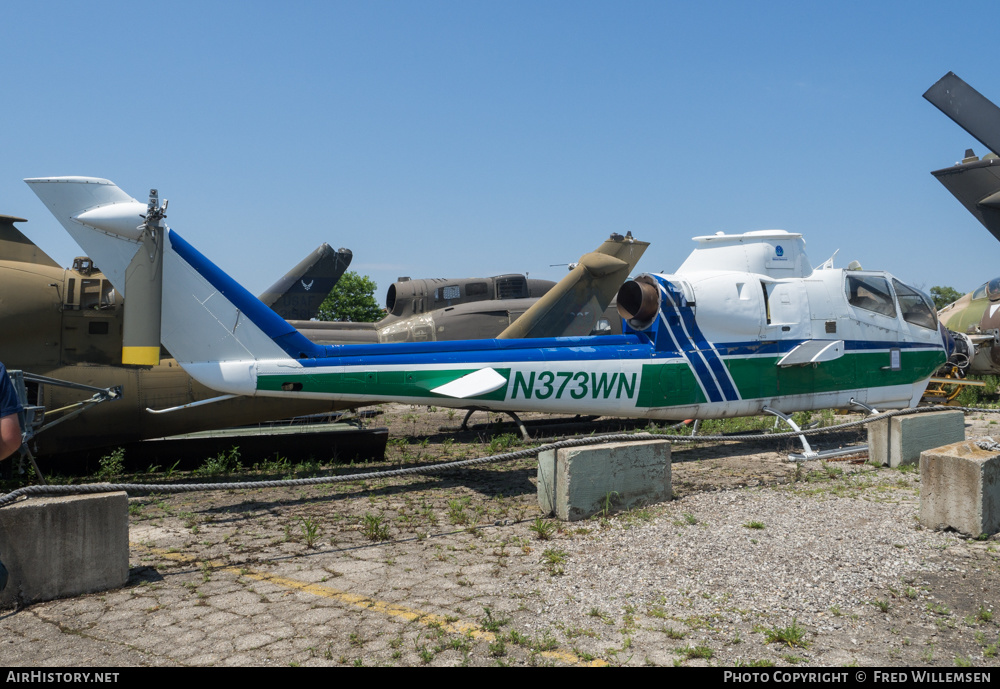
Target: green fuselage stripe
662	384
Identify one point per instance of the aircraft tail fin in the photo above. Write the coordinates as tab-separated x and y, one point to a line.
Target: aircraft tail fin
206	317
574	305
299	294
14	246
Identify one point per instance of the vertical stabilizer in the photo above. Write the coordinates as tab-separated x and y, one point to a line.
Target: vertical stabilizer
206	315
14	246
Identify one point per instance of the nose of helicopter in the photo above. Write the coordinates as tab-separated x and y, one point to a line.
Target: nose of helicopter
947	340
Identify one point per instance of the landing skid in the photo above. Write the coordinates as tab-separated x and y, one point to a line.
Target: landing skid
807	452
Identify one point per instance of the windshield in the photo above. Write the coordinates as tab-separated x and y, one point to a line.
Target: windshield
917	307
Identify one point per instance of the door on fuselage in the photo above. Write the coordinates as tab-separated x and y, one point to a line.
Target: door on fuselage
788	322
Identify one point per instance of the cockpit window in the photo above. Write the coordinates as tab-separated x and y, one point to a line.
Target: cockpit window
980	292
993	289
917	308
871	293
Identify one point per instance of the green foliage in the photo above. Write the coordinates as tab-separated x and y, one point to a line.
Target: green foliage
375	527
310	531
793	635
112	466
975	396
943	296
222	463
352	299
543	530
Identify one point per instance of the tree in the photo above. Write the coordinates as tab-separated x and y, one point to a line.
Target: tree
352	299
943	296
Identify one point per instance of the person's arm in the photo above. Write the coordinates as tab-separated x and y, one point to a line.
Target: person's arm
10	435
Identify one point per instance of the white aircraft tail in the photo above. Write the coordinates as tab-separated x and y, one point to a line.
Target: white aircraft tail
207	317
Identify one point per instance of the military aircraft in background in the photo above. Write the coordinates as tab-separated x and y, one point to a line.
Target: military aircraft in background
429	310
67	324
744	326
975	182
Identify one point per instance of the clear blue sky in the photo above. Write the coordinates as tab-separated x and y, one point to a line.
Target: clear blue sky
475	138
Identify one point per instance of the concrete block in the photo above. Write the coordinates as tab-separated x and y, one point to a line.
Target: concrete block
900	439
55	547
574	482
960	489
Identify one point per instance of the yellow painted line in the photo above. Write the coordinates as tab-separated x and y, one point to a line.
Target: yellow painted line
427	619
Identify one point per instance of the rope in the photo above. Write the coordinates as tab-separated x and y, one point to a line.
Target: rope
150	488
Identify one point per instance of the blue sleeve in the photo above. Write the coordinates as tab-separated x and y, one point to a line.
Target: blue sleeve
9	403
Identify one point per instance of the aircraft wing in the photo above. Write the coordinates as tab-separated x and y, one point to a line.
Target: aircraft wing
976	184
14	246
574	305
299	294
967	108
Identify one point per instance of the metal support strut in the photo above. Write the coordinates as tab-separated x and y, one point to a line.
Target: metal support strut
807	451
517	420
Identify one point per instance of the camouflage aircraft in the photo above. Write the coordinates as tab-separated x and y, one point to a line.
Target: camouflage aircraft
478	308
975	182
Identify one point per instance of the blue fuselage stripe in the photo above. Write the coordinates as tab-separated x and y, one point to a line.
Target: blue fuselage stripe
698	348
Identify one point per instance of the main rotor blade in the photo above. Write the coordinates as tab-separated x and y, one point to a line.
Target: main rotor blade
967	108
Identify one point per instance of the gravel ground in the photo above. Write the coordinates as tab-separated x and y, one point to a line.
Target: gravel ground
756	561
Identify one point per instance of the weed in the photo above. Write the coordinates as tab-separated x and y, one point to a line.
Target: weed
554	559
755	525
222	463
491	623
375	527
456	511
310	529
938	609
882	604
984	614
498	648
112	466
793	635
542	529
502	443
690	652
607	505
690	519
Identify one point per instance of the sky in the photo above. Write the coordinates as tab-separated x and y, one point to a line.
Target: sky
460	139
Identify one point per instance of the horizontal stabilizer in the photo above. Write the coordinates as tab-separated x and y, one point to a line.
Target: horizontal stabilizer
477	383
813	352
976	185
